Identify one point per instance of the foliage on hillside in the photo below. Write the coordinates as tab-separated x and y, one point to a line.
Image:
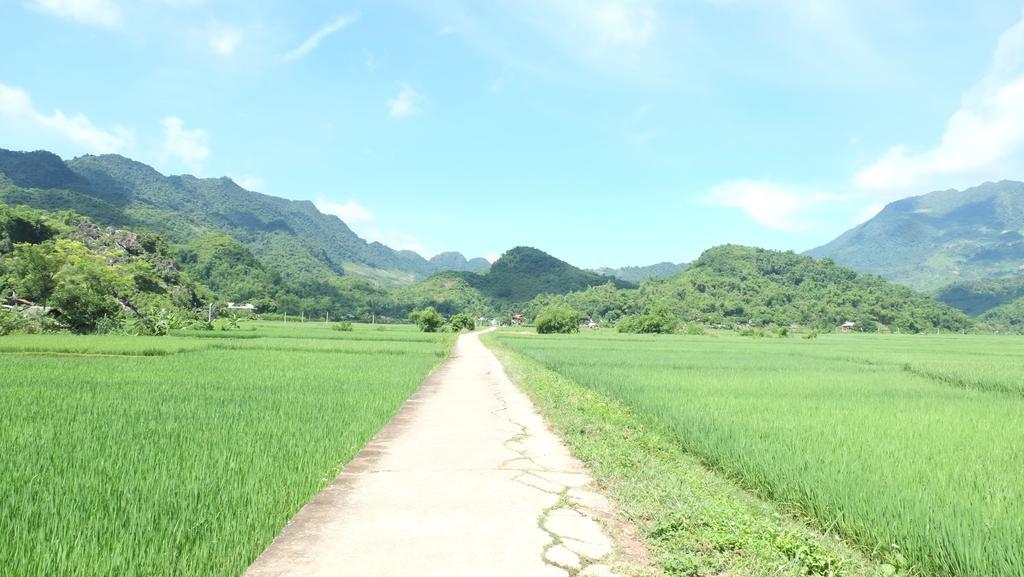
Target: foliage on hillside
640	274
927	242
518	276
733	285
1006	318
228	268
977	297
291	237
448	292
85	278
524	272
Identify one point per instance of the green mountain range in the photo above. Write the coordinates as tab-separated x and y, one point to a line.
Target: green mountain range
929	242
978	297
289	236
736	285
518	276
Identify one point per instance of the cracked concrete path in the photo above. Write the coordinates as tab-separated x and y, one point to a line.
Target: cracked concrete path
466	481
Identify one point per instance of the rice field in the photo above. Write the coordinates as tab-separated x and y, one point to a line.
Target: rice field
910	446
186	454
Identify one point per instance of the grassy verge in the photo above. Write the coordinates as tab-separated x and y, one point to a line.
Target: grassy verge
696	521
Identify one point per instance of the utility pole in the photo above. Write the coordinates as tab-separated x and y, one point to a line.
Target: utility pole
285	318
209	316
327	318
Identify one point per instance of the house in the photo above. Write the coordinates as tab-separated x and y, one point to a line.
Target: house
518	319
847	326
245	307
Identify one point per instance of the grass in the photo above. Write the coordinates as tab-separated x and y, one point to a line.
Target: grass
908	446
182	455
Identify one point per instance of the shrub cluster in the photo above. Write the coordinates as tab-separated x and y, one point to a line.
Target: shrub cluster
557	319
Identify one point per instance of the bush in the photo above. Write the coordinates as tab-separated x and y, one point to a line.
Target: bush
12	322
462	322
659	321
557	319
428	319
343	326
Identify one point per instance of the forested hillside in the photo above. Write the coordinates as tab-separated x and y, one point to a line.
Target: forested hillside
735	285
931	241
978	297
517	276
62	271
639	274
1007	318
288	236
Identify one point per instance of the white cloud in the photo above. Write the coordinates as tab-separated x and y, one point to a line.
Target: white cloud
103	13
188	146
350	211
361	220
405	104
621	23
608	35
317	37
16	107
774	205
984	133
224	39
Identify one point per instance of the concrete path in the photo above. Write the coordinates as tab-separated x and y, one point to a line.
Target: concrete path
466	481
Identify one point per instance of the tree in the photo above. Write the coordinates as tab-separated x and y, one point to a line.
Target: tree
428	319
32	269
659	320
88	289
462	322
558	319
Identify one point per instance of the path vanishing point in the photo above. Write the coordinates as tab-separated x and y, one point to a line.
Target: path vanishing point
465	481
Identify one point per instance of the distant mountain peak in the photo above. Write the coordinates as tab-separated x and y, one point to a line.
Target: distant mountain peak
933	240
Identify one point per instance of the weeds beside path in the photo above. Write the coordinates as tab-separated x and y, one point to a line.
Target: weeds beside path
696	521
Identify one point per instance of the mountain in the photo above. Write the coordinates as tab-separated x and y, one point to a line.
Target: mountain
931	241
448	292
978	297
525	272
290	236
773	287
517	276
639	274
1008	317
454	261
736	285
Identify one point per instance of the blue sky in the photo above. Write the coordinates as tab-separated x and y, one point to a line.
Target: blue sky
607	132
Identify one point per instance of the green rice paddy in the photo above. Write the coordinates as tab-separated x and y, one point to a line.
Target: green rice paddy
184	455
911	446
